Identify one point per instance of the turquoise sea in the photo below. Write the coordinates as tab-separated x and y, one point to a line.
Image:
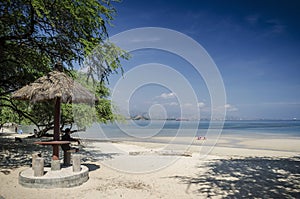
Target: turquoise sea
150	130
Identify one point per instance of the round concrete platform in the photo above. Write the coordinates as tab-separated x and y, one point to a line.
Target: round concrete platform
62	178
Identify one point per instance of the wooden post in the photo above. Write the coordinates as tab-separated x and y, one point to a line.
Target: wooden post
38	167
76	162
56	128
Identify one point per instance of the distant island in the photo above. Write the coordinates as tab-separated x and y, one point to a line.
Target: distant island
182	119
145	116
139	117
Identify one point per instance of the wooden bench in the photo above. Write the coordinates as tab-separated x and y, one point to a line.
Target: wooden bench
67	155
55	164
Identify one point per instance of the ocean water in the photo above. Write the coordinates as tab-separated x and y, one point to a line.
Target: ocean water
151	130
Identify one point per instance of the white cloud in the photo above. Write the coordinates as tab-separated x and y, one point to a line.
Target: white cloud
171	104
201	104
253	19
187	105
230	107
276	26
280	103
167	95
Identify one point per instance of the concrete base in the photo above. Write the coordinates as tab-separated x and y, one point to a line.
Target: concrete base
54	179
55	165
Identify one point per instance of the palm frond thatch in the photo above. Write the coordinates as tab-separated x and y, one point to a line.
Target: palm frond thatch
55	85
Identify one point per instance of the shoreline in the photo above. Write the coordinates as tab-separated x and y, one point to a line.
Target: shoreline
288	144
228	142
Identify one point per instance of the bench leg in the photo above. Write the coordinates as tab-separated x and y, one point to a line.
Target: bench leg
38	167
76	162
55	165
34	156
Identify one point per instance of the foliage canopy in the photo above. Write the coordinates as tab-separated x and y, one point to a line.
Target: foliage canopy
36	34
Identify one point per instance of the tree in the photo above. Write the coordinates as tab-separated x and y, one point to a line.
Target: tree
36	34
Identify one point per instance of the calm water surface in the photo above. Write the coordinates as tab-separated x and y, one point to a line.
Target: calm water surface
155	129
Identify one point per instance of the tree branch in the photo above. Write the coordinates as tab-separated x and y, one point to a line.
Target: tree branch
24	36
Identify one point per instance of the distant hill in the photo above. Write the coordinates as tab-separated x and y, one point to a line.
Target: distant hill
139	117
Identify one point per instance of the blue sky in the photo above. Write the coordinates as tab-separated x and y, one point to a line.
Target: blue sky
254	44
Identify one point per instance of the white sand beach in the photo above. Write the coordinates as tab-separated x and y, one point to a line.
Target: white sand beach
263	168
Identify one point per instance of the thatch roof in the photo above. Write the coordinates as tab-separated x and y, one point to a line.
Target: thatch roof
55	84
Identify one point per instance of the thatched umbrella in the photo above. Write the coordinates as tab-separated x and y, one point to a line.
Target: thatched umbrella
59	87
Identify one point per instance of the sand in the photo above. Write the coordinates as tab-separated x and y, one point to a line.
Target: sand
234	167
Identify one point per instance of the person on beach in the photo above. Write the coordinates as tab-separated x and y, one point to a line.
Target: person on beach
67	137
201	138
35	133
20	131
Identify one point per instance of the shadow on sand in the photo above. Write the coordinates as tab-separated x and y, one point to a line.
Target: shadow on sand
248	178
92	167
17	154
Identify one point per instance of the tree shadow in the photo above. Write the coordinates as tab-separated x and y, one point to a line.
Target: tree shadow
17	154
89	155
5	134
248	178
91	167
